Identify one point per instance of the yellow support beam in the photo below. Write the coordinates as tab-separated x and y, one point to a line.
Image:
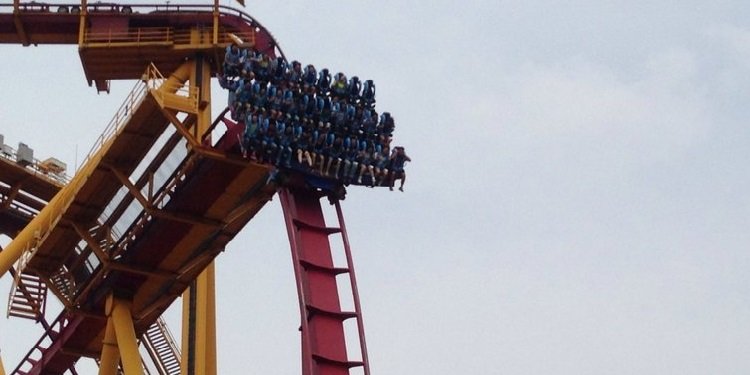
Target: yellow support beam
110	352
200	79
2	369
122	318
199	326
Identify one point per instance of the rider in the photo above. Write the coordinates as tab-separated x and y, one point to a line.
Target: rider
398	159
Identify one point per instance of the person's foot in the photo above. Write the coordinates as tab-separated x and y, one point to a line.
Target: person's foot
401	189
390	188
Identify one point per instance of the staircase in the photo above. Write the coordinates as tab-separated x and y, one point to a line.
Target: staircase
28	297
162	348
324	348
63	281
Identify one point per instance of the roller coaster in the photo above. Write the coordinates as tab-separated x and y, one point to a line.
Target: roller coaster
156	200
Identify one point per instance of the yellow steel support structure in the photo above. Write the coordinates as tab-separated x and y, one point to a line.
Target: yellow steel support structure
200	77
36	230
199	301
82	23
110	354
39	227
126	340
199	326
120	322
119	340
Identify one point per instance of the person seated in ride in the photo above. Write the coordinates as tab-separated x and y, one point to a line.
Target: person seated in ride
369	122
234	57
388	124
338	117
323	108
284	132
398	159
287	102
262	69
296	134
268	144
243	98
351	112
260	96
309	79
324	82
307	105
294	76
278	72
380	163
231	86
340	89
350	159
275	102
354	87
250	135
247	71
303	149
364	158
256	142
368	93
320	135
335	153
384	140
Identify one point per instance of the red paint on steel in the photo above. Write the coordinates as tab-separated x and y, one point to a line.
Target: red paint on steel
323	336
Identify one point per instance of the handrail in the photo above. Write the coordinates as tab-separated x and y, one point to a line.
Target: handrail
134	98
145	35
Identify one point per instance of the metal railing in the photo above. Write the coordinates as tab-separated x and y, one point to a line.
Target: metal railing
36	167
123	114
156	35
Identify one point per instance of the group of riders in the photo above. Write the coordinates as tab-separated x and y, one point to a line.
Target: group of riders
300	118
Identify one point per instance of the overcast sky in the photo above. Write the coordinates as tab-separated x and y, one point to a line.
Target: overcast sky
577	202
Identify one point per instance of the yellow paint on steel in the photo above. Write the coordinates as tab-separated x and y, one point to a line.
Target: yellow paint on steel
185	343
126	339
40	226
82	23
204	318
204	100
216	22
110	357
